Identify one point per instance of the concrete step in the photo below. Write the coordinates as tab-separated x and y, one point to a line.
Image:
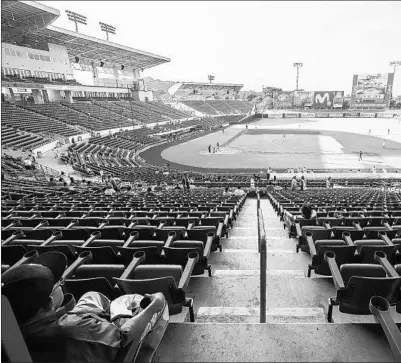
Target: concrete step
234	296
189	342
252	243
276	260
252	232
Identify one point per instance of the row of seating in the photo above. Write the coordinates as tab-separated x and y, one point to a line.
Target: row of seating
218	107
125	243
354	237
15	139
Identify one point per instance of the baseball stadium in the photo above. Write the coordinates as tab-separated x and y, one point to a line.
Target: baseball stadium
146	220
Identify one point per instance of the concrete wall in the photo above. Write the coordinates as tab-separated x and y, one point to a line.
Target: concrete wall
14	56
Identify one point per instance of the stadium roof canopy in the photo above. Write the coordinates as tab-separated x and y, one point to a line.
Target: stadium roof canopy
34	20
18	17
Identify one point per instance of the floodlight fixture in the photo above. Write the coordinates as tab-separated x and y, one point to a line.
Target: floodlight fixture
211	78
108	29
76	18
395	64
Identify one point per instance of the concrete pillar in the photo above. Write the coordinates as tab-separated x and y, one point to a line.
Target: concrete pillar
94	70
12	96
37	96
68	97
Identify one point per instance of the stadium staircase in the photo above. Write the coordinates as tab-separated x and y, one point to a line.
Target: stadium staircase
227	307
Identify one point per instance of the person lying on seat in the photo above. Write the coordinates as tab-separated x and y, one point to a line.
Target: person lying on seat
57	329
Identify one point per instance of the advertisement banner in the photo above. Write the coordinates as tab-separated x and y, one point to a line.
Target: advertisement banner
303	98
283	100
321	115
367	114
275	115
291	115
372	90
384	115
323	99
336	115
351	114
307	115
397	114
338	99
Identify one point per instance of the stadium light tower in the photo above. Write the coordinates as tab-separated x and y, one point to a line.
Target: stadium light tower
297	66
211	78
76	18
108	29
395	64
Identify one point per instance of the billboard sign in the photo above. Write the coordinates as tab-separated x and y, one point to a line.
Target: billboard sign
338	99
336	115
321	115
323	99
307	115
372	90
303	98
275	115
351	114
367	115
283	99
291	115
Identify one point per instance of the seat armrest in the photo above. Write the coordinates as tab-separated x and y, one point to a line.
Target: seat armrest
193	258
83	258
208	245
311	244
330	258
298	229
380	308
381	257
137	259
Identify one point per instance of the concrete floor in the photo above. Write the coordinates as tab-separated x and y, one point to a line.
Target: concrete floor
227	307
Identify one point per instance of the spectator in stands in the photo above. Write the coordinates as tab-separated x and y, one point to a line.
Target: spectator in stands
111	181
65	187
239	191
28	163
227	191
109	190
307	211
270	187
328	183
157	188
149	192
52	183
294	183
72	181
101	175
303	183
56	328
185	181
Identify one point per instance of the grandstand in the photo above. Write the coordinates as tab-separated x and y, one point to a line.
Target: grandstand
206	207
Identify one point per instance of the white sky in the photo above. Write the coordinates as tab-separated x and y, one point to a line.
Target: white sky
254	43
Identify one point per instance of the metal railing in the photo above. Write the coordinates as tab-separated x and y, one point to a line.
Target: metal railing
262	255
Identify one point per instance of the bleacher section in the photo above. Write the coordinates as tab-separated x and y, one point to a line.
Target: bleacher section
167	110
24	119
201	106
67	115
107	119
219	107
15	139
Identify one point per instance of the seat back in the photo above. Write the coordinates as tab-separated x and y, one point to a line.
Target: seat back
12	342
164	284
363	282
